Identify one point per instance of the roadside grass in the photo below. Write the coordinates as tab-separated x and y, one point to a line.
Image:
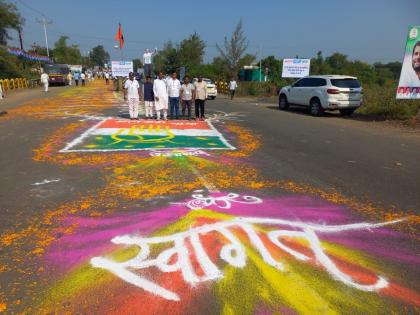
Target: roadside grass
381	101
378	101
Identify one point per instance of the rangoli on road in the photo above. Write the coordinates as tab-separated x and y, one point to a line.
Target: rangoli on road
113	134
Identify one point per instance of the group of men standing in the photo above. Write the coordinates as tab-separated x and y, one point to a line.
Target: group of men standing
163	94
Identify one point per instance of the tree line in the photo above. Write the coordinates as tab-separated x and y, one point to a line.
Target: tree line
62	52
189	53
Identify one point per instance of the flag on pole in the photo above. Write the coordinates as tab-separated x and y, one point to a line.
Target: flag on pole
119	37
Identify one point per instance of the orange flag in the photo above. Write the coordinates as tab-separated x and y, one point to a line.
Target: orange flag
119	37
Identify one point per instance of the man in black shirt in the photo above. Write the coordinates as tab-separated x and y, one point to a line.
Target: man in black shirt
149	97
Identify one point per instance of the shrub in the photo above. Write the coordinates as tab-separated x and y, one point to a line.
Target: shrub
266	89
380	101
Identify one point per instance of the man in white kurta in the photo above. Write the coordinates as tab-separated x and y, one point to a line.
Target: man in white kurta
44	81
131	94
160	90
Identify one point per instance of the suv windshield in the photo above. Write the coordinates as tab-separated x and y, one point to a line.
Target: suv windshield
345	83
208	81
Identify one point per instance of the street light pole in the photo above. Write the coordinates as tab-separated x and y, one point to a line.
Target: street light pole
44	22
260	60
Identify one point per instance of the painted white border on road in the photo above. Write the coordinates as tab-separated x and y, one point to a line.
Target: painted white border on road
91	130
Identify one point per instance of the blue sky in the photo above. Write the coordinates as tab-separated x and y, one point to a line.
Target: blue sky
368	30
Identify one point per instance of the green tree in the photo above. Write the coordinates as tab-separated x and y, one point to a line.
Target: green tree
9	65
273	67
221	67
10	18
137	64
66	54
167	59
206	70
319	65
98	56
392	68
233	50
191	51
337	61
246	60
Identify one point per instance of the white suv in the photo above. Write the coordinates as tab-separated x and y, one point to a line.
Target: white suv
323	92
211	88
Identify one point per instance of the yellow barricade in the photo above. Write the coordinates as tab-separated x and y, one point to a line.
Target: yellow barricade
10	84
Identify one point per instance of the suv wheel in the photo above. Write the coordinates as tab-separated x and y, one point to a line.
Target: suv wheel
315	107
347	111
283	103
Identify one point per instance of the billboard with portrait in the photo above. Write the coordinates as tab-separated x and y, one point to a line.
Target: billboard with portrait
409	85
295	68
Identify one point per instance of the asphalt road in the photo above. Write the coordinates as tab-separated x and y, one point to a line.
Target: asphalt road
84	190
367	160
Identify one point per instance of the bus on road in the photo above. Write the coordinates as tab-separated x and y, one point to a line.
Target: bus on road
57	73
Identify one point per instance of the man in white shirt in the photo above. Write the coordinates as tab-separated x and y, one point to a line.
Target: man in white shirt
106	78
232	88
83	78
147	61
160	92
174	87
44	81
132	95
187	95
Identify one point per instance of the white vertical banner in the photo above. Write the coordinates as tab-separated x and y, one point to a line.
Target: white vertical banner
409	84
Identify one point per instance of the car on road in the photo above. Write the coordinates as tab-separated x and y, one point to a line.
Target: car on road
211	88
323	92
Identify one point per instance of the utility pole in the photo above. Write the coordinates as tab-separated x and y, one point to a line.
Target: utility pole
44	22
20	38
260	61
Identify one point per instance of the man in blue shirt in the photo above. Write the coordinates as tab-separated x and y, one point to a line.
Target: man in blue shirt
76	78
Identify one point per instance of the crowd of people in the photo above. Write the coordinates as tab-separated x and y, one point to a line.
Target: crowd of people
77	77
166	94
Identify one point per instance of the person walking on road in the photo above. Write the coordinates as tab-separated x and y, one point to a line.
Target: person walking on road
149	97
76	78
132	96
69	78
106	78
1	92
83	78
200	98
44	81
187	95
160	91
174	87
232	88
